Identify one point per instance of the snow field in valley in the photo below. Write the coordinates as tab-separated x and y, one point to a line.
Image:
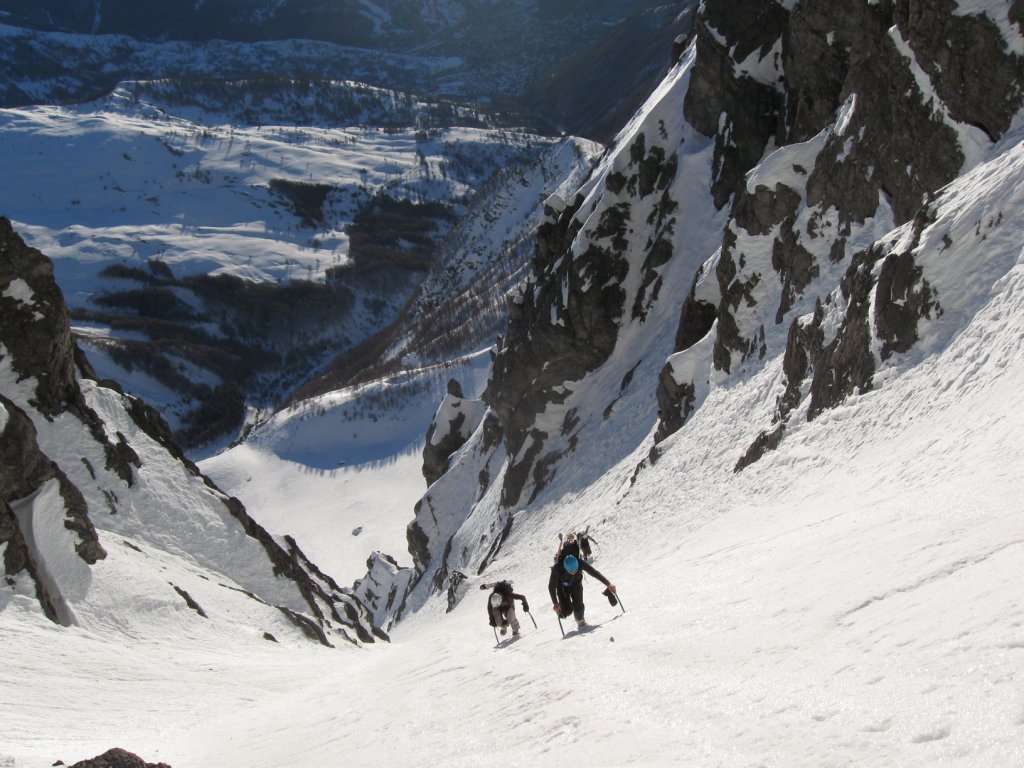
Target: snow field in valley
342	473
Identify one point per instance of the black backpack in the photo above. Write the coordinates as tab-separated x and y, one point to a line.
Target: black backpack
568	548
584	544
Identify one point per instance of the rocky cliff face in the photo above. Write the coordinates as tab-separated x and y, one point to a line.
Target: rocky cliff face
741	221
873	113
73	489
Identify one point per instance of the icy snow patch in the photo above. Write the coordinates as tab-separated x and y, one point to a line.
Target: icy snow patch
66	576
20	291
762	69
789	165
450	409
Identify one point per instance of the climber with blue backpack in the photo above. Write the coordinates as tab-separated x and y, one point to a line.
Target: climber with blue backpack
566	585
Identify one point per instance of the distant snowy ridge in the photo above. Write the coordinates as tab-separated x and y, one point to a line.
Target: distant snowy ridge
473	50
165	213
90	65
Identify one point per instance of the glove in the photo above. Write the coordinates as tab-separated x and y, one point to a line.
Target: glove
483	586
610	594
526	606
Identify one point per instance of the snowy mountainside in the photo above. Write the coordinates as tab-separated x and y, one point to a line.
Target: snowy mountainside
462	303
803	229
509	207
749	241
337	224
271	100
107	527
371	435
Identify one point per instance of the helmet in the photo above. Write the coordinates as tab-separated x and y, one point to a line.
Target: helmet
496	600
571	564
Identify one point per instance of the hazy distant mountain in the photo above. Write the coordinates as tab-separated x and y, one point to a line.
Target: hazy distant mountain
392	24
578	65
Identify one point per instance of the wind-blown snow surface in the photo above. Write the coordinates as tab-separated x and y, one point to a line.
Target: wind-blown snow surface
851	599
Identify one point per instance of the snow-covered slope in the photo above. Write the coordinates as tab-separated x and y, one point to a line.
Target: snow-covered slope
850	599
741	263
342	472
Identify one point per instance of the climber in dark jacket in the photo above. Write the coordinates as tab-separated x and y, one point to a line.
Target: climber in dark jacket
566	586
501	607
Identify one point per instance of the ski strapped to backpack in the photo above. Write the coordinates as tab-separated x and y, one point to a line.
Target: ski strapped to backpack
578	544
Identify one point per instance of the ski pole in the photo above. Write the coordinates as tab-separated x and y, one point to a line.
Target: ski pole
496	640
619	598
532	619
560	625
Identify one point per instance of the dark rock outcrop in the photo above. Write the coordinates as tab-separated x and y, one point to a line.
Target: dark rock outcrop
117	758
541	354
384	589
575	303
882	289
456	419
960	53
741	112
36	335
35	322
